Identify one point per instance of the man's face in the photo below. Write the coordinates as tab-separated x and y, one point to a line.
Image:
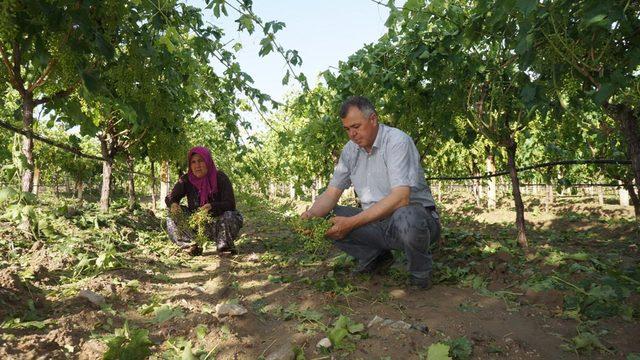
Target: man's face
361	129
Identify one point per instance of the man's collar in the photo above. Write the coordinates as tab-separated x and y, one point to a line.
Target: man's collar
378	141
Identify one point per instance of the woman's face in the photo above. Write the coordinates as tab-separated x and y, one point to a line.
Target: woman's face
198	166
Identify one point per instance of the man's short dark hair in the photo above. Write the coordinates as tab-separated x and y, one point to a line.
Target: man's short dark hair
362	103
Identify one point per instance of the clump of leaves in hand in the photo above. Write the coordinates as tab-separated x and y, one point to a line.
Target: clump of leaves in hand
128	343
196	223
199	222
313	233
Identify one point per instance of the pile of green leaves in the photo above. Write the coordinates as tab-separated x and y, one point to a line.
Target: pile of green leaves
17	206
127	343
596	300
345	332
293	312
108	257
458	349
310	320
585	341
338	286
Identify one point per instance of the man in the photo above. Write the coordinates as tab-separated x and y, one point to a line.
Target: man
398	211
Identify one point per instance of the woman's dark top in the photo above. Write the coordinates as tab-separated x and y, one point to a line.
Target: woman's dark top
221	201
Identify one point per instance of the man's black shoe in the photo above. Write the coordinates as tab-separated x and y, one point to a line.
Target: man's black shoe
378	265
420	283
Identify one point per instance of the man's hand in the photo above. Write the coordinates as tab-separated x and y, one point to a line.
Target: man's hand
175	209
206	207
342	225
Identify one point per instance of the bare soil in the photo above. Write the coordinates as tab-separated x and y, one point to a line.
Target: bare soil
529	327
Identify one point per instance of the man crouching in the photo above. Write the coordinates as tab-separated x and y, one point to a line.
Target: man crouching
398	211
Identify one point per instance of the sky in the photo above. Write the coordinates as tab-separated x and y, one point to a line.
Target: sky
323	31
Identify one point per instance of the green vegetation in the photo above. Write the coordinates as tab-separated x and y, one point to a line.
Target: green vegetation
101	100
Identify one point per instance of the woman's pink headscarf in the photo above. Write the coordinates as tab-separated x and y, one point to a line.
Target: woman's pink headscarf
209	183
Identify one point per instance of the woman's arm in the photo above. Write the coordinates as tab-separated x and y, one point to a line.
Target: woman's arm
226	201
177	193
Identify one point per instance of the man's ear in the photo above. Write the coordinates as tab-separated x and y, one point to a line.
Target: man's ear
374	118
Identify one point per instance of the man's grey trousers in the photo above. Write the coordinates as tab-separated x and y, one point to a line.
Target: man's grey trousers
411	228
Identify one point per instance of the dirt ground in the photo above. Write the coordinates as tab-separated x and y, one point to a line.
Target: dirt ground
499	319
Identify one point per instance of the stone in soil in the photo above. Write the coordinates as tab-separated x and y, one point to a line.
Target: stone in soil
325	343
285	352
375	321
94	298
230	309
398	293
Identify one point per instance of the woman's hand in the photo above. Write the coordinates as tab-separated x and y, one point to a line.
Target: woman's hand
206	206
175	208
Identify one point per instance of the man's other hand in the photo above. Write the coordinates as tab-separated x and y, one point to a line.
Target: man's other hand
206	207
306	215
342	225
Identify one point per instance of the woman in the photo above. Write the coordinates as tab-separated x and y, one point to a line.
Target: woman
206	188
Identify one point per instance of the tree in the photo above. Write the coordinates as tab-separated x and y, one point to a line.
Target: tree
596	44
49	49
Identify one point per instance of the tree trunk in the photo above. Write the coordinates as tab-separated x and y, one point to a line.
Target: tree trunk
491	168
132	185
634	200
79	189
153	186
636	206
314	191
292	191
164	183
517	197
624	194
27	142
107	169
476	184
601	195
630	128
36	181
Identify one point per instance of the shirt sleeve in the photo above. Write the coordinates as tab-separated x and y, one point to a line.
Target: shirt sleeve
402	163
226	201
177	193
342	173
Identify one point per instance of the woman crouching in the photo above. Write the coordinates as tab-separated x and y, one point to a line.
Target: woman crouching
206	188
